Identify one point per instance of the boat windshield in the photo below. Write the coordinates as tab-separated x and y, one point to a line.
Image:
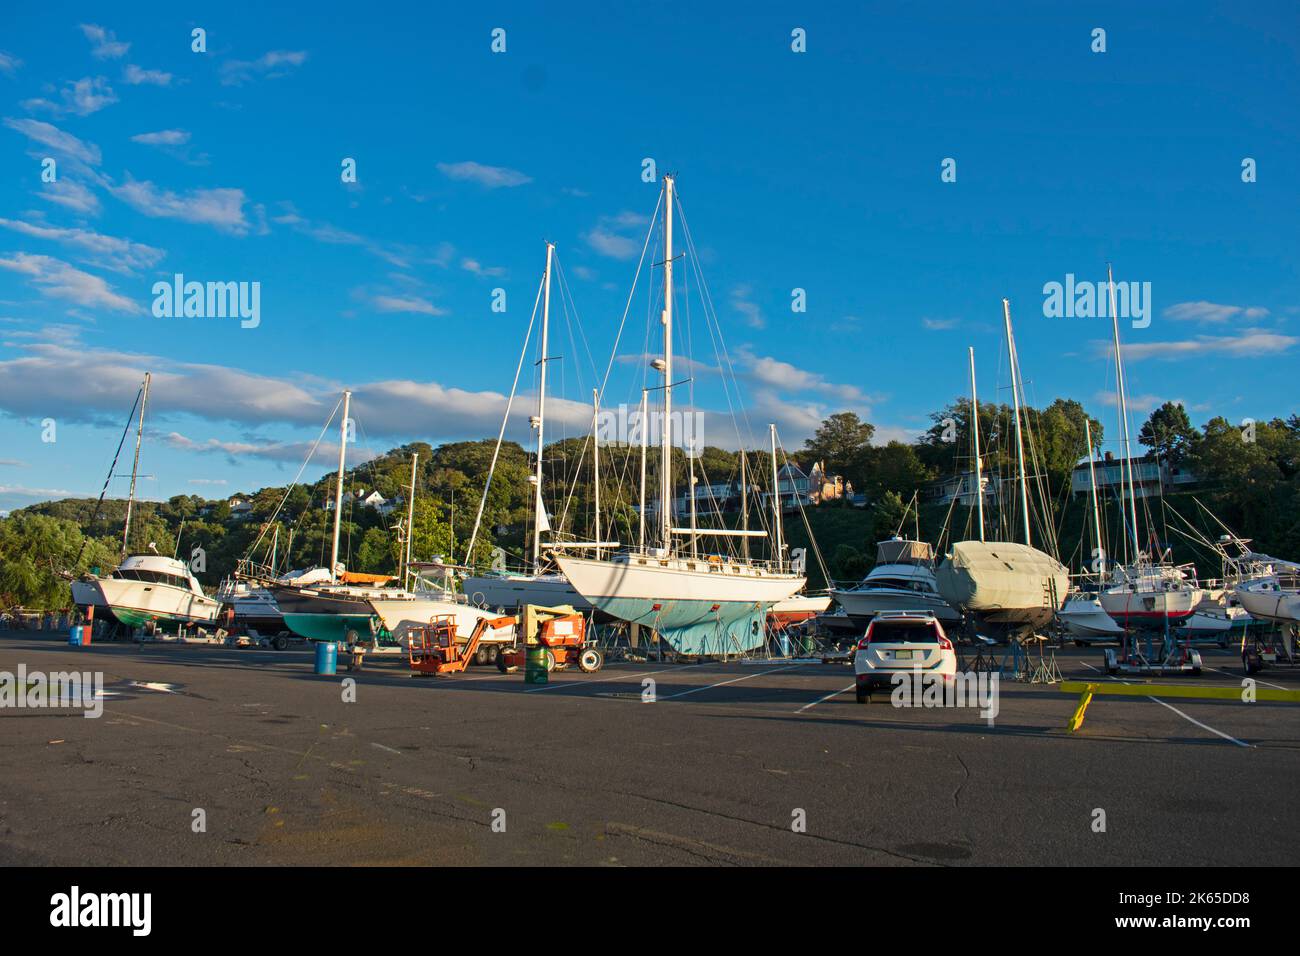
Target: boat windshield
152	577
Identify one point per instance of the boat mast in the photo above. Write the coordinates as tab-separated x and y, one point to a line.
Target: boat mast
1096	511
1015	398
1126	466
744	505
595	458
539	507
410	521
776	503
135	467
666	428
645	428
975	433
338	489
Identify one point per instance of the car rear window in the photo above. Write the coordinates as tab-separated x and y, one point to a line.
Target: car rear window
902	632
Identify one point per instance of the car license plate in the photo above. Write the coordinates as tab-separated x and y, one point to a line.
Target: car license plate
902	655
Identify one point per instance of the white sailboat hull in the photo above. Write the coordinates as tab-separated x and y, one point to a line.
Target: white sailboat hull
1282	605
399	616
1086	618
1140	606
510	591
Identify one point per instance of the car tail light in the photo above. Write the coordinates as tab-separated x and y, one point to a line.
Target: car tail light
862	644
944	643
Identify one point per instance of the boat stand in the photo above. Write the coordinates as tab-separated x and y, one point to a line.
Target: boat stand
1045	670
1171	658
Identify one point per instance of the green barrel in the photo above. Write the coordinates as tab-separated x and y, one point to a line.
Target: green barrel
535	666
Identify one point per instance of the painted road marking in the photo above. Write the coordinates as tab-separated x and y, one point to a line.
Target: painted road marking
1255	679
606	680
734	680
1178	712
822	700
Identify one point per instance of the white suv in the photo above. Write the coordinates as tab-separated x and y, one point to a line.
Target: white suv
902	642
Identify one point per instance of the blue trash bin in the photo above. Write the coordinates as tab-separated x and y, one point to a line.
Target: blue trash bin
327	657
74	635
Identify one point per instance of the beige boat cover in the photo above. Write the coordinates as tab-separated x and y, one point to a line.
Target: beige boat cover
1002	575
899	551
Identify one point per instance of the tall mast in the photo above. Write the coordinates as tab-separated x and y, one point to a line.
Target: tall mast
410	520
275	546
1126	466
975	433
1096	511
744	505
338	489
135	466
539	506
776	504
1015	397
666	427
595	457
645	428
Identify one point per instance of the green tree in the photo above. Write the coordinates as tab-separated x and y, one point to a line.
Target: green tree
839	441
1169	432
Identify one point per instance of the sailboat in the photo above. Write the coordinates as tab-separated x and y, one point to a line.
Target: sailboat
1007	585
700	604
146	589
1143	591
541	584
1083	615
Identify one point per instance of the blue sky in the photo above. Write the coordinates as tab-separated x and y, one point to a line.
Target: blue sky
817	170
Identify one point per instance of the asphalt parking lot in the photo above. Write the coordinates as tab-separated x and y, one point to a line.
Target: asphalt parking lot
721	768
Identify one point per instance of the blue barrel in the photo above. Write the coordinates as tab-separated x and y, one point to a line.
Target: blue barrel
74	635
327	657
785	644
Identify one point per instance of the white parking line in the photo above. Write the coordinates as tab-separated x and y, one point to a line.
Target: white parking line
1179	712
822	700
606	680
1255	679
1199	724
734	680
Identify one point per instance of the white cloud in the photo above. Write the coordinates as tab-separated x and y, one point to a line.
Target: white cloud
72	195
270	66
164	137
489	177
222	209
104	43
396	303
135	76
57	279
1212	312
608	237
109	252
776	374
1250	343
56	139
478	269
939	325
740	302
82	97
9	63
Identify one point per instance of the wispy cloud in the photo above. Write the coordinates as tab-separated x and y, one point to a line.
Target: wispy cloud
71	195
741	302
47	134
104	43
90	94
478	269
164	137
1212	312
223	209
938	325
489	177
399	303
9	63
1250	343
270	66
57	279
137	76
106	252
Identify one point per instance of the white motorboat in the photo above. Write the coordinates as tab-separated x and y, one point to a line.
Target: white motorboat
148	587
1273	597
902	580
1085	618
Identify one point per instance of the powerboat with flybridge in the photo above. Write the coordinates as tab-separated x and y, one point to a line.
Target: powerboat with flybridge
902	580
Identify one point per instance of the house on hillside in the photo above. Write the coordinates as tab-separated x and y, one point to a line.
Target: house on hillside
1150	477
240	509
